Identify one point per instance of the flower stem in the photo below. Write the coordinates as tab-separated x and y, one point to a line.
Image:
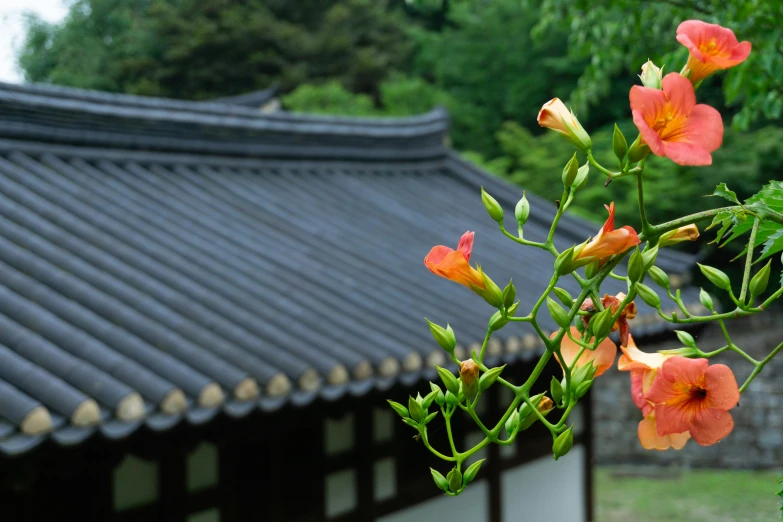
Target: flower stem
759	366
749	259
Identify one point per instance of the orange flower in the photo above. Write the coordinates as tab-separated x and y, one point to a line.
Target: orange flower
602	357
613	302
468	374
686	233
556	116
690	395
609	241
644	367
712	48
671	123
455	264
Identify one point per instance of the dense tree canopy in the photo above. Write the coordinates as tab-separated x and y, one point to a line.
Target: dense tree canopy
492	63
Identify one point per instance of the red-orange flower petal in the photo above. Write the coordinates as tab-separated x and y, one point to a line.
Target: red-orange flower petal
602	357
711	47
689	395
671	123
609	241
454	265
649	438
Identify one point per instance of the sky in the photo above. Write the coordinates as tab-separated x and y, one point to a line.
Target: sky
12	30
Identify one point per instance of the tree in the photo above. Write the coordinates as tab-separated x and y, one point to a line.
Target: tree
198	49
608	30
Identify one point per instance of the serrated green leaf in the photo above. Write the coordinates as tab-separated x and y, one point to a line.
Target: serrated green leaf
723	191
768	199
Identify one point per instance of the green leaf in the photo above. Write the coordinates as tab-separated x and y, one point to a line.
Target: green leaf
723	191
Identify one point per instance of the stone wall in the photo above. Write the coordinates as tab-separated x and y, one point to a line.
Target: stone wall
757	439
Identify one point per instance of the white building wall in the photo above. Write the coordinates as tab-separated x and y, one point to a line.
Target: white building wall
535	491
472	505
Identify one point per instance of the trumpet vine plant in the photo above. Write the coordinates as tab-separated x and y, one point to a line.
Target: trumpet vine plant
680	395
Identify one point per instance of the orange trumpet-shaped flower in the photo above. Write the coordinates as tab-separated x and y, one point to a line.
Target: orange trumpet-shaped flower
671	123
609	241
686	233
455	264
712	48
602	357
556	116
643	368
690	395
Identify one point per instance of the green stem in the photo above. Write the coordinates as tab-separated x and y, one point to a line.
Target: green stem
759	366
435	452
448	431
520	240
749	259
600	167
565	200
646	228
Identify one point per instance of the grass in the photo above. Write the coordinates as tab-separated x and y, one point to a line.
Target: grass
692	496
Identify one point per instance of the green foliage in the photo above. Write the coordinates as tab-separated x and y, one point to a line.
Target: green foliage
329	98
608	32
197	49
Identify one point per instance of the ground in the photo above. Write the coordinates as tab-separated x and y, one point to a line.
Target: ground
623	495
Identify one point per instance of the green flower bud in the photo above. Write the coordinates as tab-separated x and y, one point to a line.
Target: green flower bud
443	336
440	480
401	410
716	277
759	281
648	295
638	151
472	471
651	75
601	323
635	266
415	409
493	295
570	171
563	443
542	403
440	398
558	313
493	207
649	257
619	145
489	377
556	389
512	422
706	300
564	296
659	277
522	210
497	321
509	294
581	177
451	399
582	389
682	352
449	380
455	480
591	270
685	338
429	418
511	310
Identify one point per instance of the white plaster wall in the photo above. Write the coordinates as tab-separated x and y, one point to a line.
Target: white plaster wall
470	506
534	492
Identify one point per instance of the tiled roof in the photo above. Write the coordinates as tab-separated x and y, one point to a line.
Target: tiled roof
163	261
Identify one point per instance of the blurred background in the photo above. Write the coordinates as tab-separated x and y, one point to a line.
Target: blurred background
491	64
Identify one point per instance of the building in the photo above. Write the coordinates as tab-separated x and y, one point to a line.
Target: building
204	306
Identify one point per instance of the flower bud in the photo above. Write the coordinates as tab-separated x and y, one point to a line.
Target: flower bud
451	382
619	144
401	410
759	281
638	151
651	75
686	233
685	338
472	471
509	294
554	115
522	210
592	269
582	389
601	323
512	422
468	374
491	293
659	277
649	257
682	352
706	300
648	295
563	443
440	480
443	336
527	418
581	177
564	296
716	277
415	409
455	480
570	171
558	313
489	377
635	266
493	207
556	389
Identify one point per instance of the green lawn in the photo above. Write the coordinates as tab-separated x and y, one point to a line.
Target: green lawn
692	496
